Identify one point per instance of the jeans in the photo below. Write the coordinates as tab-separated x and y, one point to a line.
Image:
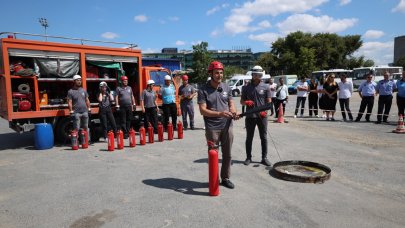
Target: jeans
300	100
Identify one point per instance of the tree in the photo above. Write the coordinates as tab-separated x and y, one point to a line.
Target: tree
400	62
201	60
231	70
268	62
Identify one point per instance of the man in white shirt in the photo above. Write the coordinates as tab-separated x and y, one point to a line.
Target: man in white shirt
272	87
345	93
281	96
302	91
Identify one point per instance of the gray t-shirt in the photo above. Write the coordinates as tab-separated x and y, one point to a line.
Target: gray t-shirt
186	91
124	95
256	93
216	100
78	98
148	97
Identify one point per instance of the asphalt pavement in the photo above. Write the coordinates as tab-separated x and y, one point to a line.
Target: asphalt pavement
165	184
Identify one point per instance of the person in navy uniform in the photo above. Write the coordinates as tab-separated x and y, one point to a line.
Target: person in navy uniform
256	94
367	93
385	89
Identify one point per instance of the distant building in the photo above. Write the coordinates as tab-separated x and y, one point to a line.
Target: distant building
399	48
243	58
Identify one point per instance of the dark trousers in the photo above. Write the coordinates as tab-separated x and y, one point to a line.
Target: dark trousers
277	103
366	102
107	119
344	106
250	124
313	103
187	108
384	105
151	117
125	118
169	110
401	105
300	100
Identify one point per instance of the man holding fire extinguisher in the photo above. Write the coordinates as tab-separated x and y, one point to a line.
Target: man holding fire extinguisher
217	106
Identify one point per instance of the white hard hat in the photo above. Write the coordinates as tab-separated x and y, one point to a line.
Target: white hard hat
150	82
77	77
257	69
103	84
209	78
167	77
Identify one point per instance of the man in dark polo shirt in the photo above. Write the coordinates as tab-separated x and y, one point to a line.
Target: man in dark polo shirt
187	93
217	106
125	103
256	94
79	104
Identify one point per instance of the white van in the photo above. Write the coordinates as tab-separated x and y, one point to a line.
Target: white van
288	79
239	80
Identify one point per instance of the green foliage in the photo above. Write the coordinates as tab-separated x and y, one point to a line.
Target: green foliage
201	60
400	62
231	70
301	53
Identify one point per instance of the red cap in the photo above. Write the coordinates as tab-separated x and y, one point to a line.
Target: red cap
185	77
124	78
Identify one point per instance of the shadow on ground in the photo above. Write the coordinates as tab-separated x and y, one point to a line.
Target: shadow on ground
179	185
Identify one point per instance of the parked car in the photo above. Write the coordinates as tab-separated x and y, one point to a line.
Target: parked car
292	89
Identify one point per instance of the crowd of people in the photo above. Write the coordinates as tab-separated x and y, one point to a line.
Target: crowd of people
324	94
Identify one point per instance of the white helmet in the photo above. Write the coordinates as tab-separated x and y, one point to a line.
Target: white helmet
150	82
168	78
257	70
76	77
103	84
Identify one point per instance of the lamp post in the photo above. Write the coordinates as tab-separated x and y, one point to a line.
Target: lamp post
44	23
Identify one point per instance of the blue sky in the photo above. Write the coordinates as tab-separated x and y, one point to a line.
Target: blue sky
156	24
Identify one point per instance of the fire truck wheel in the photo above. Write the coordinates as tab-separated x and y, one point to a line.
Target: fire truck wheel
63	128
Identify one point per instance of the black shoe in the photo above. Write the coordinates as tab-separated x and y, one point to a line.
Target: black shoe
125	136
266	162
368	120
385	121
227	183
247	161
377	122
192	128
357	120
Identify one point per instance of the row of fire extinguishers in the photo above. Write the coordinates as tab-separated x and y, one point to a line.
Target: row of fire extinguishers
131	136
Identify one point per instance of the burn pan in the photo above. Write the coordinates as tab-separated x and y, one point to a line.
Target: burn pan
301	171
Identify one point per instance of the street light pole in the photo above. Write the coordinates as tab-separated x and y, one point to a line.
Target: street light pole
44	23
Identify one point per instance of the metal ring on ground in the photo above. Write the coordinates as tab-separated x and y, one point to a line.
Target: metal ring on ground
301	171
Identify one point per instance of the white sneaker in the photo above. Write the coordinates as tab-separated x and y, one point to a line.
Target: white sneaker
295	116
324	116
317	116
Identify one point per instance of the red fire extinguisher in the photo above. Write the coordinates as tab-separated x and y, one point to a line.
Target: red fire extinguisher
160	132
120	140
85	138
179	130
142	135
74	140
169	131
132	140
110	138
213	175
150	134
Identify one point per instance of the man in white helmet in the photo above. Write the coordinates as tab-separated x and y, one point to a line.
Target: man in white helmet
149	105
256	94
168	93
79	104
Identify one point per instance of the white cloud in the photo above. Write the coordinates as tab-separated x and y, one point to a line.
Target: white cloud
151	50
380	52
373	34
215	33
264	24
216	9
400	7
109	35
309	23
180	43
241	17
141	18
344	2
174	18
267	38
